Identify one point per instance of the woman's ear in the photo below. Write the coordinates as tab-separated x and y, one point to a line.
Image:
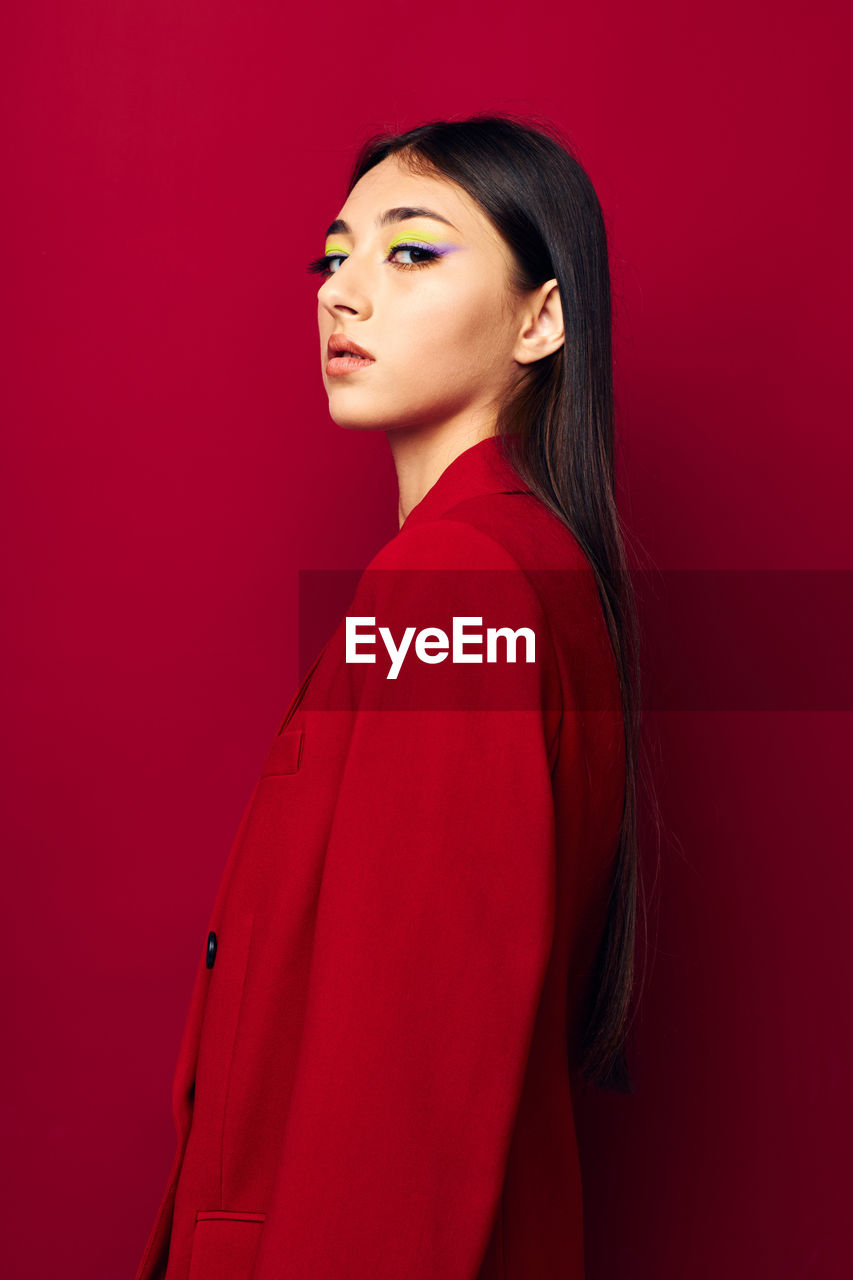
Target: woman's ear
542	328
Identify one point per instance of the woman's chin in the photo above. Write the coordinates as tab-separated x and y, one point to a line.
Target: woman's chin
359	413
353	419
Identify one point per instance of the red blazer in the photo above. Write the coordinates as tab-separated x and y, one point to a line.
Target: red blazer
374	1078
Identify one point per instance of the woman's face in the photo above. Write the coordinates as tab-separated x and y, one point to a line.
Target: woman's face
438	317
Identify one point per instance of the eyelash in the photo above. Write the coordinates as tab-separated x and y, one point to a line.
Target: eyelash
320	266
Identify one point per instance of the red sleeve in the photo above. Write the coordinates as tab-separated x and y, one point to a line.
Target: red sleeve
433	932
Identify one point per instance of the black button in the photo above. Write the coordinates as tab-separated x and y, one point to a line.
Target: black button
211	949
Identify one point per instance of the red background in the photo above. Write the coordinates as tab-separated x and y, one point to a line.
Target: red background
171	465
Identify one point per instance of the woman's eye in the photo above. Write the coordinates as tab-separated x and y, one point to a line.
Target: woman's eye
323	266
422	255
419	255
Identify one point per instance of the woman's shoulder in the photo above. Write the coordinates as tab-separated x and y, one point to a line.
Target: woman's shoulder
448	542
448	582
508	549
448	561
489	530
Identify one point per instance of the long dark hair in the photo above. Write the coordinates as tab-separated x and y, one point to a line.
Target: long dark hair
557	429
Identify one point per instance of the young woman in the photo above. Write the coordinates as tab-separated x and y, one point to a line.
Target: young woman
423	939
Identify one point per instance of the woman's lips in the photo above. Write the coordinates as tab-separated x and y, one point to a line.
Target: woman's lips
346	363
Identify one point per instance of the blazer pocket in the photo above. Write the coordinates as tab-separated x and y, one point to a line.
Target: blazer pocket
224	1244
285	754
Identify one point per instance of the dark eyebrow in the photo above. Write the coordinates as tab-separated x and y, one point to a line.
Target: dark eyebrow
399	214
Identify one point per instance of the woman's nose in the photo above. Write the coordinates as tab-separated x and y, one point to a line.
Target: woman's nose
348	287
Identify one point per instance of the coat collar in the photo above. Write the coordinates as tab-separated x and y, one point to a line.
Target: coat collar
479	469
